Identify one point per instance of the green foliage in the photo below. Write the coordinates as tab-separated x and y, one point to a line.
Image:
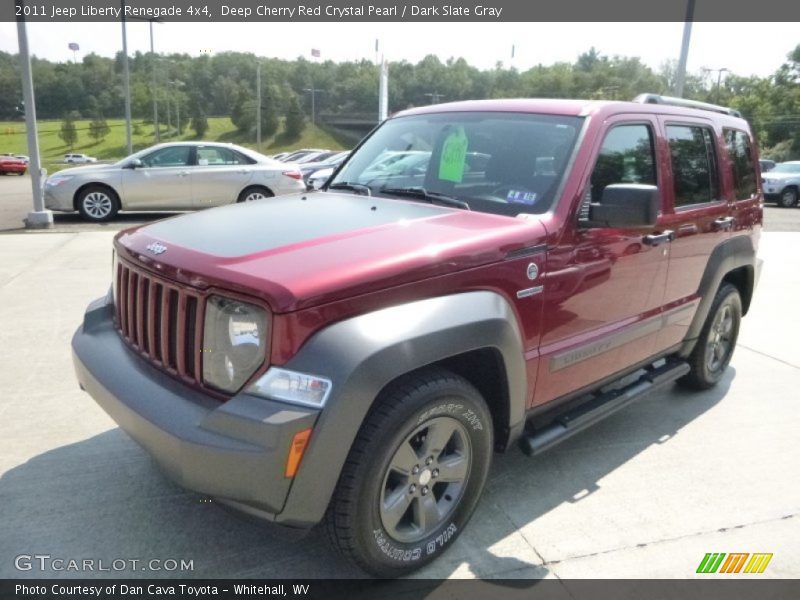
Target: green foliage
224	84
199	122
295	120
98	129
69	133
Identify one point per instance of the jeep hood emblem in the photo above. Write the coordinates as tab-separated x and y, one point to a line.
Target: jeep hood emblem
156	248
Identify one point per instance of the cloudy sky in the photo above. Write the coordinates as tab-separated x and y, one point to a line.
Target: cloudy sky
744	48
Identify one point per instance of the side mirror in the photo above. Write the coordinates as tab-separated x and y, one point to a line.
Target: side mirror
625	205
136	163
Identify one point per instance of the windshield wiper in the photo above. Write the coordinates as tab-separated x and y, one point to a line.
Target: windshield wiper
422	194
354	187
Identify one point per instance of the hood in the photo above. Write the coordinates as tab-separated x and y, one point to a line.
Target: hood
301	250
84	169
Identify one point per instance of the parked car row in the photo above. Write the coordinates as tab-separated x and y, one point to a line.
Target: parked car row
316	165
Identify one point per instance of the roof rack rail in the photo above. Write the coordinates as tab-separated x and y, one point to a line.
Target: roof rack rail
671	101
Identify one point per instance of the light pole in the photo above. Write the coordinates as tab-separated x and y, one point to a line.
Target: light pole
178	85
680	76
126	80
258	106
40	218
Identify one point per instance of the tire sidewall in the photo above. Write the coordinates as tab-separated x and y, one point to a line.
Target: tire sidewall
462	403
241	199
727	295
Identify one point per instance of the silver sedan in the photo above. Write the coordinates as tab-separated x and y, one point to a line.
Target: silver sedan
173	176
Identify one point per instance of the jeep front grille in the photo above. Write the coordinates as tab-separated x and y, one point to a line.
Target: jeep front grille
161	321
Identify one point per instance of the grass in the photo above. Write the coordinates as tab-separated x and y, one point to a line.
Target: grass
52	149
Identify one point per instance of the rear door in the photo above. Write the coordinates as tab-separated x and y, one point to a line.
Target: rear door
698	211
220	174
605	286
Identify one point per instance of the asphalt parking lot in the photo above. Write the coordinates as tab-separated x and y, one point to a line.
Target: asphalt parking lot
644	494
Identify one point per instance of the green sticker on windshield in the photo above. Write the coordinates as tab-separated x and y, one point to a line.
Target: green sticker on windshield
454	154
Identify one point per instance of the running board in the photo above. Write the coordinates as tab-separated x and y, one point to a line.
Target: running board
600	407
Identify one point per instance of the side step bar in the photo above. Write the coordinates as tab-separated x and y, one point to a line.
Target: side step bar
600	407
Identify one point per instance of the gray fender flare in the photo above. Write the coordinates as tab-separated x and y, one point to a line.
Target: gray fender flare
363	354
728	256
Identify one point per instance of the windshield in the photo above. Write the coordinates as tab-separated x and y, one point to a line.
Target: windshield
501	163
786	168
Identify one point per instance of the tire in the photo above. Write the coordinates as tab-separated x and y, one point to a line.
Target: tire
98	203
255	192
393	511
714	348
788	198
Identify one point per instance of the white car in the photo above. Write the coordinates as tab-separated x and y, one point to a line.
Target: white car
173	176
79	158
782	183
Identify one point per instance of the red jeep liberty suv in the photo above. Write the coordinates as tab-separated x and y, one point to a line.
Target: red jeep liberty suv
476	274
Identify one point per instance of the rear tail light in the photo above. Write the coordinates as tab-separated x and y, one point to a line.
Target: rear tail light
294	175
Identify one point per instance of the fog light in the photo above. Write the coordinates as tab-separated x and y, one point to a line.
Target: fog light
292	387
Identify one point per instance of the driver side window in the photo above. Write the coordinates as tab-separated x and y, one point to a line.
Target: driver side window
626	156
174	156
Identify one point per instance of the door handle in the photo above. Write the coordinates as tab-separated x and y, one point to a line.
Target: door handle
654	239
724	223
183	173
243	171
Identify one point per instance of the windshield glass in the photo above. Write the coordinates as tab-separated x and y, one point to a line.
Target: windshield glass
786	168
501	163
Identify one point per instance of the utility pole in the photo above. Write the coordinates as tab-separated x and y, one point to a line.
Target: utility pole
680	76
314	92
40	218
435	97
127	81
719	80
258	106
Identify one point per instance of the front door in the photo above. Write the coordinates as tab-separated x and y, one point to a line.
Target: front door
604	286
163	182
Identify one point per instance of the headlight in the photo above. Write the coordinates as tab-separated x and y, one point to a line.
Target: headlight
234	342
55	180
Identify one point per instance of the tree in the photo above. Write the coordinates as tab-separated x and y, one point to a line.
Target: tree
199	121
98	129
69	133
295	120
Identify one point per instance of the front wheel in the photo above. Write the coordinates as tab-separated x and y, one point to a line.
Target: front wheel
414	474
788	198
714	349
98	203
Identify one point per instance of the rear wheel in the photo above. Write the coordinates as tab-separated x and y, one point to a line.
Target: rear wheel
714	349
414	474
255	192
788	198
98	203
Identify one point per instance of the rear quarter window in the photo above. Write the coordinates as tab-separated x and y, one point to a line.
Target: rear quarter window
740	153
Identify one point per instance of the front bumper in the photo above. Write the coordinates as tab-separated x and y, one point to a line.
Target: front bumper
234	451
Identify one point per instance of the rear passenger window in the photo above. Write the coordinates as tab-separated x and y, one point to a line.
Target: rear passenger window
741	156
694	164
626	156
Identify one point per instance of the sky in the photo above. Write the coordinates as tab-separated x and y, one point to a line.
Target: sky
743	48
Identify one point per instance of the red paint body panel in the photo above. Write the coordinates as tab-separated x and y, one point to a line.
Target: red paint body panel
599	283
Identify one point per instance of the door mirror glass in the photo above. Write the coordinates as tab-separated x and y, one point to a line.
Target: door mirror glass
134	164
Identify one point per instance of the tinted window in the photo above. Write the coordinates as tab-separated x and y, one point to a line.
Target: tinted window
694	164
501	163
742	163
213	155
174	156
626	156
